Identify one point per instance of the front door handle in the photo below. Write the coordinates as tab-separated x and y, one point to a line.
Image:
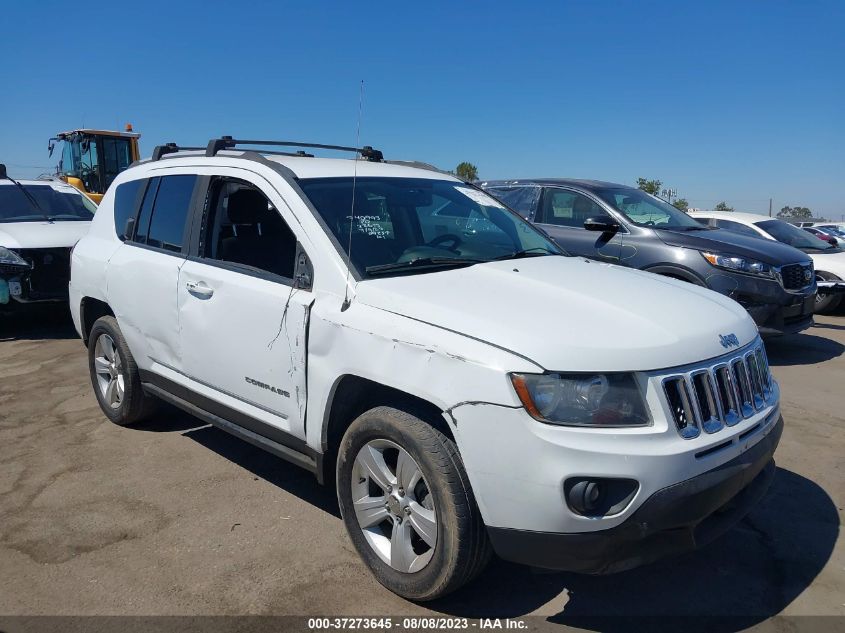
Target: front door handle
199	289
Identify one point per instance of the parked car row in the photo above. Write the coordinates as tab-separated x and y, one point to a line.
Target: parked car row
467	364
830	234
829	261
626	226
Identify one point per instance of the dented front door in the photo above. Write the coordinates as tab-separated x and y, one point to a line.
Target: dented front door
244	343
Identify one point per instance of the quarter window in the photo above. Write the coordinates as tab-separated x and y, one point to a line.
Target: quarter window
126	199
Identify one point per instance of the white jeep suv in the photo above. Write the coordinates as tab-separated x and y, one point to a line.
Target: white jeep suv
468	387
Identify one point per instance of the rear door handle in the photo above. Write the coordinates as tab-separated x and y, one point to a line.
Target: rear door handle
199	289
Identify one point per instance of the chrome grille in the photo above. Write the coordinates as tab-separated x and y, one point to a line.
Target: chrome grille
726	392
681	406
743	387
711	398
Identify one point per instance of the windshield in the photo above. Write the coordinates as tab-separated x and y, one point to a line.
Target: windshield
645	210
792	235
56	202
417	224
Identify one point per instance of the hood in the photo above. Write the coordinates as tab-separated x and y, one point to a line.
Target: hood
728	242
569	314
832	261
42	234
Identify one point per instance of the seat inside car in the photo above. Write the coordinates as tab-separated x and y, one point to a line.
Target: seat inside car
259	236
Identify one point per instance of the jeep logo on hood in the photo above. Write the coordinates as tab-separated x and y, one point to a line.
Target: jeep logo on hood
728	340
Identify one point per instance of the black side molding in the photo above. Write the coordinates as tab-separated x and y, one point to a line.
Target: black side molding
248	429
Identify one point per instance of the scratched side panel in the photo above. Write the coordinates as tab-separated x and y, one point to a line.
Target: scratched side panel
247	341
439	366
142	294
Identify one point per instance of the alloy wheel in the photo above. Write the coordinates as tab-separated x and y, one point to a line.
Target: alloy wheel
109	370
394	506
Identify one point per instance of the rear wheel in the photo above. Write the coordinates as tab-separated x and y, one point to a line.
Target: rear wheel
826	302
114	375
407	505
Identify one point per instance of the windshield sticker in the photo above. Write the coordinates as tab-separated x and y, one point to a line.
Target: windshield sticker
370	225
479	197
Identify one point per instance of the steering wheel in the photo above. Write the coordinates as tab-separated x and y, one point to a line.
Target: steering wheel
446	237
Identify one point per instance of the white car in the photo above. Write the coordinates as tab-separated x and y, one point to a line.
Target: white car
468	387
40	221
828	260
839	226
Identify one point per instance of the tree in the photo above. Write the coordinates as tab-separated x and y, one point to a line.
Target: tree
681	204
649	186
466	171
795	212
723	206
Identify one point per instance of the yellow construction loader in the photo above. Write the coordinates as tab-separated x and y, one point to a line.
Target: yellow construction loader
91	159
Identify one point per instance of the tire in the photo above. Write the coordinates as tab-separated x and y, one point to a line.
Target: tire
127	403
439	496
826	302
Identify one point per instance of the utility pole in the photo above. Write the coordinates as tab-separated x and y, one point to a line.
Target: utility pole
770	207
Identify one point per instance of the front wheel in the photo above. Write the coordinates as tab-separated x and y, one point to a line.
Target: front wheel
406	503
826	302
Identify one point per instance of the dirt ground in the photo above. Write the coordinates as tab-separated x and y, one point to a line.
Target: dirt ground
177	517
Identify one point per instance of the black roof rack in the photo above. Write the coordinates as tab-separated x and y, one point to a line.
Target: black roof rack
170	148
227	142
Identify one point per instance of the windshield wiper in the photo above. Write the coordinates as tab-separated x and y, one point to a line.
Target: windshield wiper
422	263
67	217
536	251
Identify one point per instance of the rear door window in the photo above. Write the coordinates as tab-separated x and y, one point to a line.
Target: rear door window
166	208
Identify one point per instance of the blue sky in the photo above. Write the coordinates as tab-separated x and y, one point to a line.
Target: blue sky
735	101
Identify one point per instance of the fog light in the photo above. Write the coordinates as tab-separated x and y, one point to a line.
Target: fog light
598	496
584	496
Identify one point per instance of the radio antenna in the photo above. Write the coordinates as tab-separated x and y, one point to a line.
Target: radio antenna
346	300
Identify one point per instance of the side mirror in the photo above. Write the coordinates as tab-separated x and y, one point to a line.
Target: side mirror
303	272
3	175
602	223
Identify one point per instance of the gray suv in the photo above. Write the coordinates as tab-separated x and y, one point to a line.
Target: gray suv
624	225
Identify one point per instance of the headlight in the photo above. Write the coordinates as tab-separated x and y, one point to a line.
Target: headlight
739	264
11	258
606	400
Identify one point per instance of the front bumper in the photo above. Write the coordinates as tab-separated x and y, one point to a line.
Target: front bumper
775	310
676	519
45	281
